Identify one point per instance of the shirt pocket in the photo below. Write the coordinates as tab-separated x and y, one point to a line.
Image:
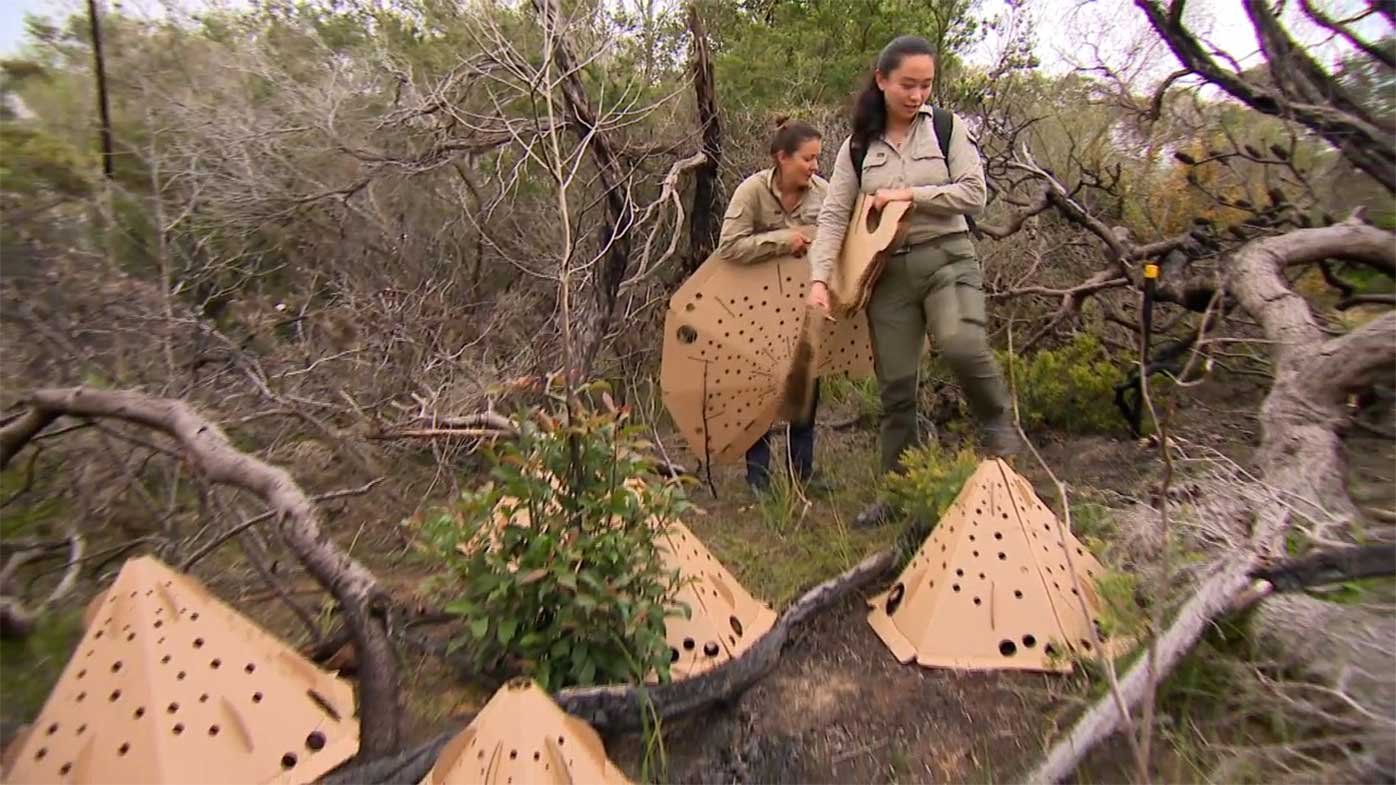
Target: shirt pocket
878	171
927	165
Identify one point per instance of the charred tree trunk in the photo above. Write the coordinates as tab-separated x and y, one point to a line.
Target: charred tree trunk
704	229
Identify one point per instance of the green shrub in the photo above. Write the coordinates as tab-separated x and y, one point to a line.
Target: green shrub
931	479
578	596
1071	388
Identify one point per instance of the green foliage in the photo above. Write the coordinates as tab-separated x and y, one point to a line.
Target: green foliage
932	478
33	162
30	666
1071	388
860	394
1120	614
578	596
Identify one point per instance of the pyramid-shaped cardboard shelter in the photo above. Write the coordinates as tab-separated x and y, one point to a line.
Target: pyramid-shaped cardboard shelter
520	737
725	619
170	685
993	587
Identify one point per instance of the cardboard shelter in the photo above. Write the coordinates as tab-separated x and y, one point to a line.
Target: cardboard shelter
992	587
170	685
733	336
724	621
522	737
863	254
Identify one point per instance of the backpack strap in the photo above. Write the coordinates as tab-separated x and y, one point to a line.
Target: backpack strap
944	121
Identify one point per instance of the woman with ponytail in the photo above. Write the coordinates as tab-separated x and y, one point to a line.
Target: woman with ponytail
773	213
932	278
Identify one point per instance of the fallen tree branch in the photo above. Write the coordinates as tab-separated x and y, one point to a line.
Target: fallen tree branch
208	450
1300	452
15	619
1330	566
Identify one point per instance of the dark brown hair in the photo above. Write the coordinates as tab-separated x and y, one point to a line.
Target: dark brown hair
790	134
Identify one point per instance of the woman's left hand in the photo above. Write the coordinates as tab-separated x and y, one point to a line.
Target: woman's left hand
885	195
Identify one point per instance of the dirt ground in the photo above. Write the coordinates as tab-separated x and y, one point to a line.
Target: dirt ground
838	708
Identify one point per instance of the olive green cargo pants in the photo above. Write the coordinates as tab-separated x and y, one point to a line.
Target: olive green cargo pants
938	284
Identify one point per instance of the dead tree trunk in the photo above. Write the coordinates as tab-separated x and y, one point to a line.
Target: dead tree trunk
205	446
1299	458
614	235
706	225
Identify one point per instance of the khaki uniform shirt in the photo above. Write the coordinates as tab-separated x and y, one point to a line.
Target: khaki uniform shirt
757	226
943	192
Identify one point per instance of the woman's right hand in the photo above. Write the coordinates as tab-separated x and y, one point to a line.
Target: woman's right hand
799	242
819	297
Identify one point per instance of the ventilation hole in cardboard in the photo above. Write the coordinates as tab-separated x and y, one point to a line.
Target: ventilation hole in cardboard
64	769
1029	641
1049	650
180	676
1017	595
1085	644
981	576
172	708
130	636
976	554
1007	648
735	622
41	753
560	740
165	660
1003	556
954	587
124	748
203	698
215	664
138	713
178	728
998	535
689	644
159	623
213	730
959	573
115	696
711	648
894	598
249	667
536	756
198	643
288	761
977	601
116	666
82	673
81	695
971	538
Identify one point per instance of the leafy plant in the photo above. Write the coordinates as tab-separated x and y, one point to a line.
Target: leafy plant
553	565
1071	388
931	479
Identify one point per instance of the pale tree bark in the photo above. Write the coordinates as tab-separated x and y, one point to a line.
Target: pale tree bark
1300	463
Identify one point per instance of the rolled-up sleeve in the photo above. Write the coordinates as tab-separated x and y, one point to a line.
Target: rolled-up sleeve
965	194
739	241
833	217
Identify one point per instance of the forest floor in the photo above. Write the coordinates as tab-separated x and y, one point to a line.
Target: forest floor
839	707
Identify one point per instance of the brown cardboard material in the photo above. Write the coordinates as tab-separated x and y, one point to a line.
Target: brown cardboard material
725	619
991	587
521	737
732	336
170	685
863	254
